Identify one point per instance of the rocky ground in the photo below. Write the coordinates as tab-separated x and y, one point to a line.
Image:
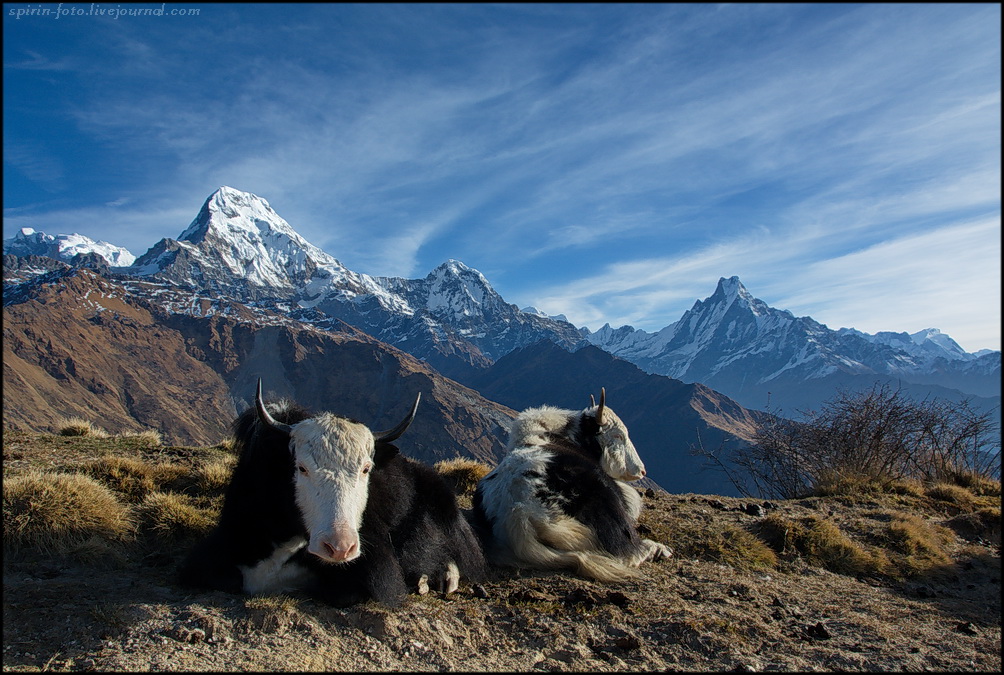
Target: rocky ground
687	613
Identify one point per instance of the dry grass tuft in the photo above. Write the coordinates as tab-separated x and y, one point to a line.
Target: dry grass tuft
821	543
172	516
228	444
917	546
135	478
60	513
149	438
984	523
955	495
77	426
213	475
462	473
975	482
727	544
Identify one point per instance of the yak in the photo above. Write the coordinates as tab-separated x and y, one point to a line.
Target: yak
560	498
322	504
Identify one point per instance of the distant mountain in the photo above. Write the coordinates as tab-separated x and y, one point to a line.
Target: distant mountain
737	344
666	418
77	343
240	260
238	246
65	247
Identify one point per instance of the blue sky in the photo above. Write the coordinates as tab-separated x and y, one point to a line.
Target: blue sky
607	162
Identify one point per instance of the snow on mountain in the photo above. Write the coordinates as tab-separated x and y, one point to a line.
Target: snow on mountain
733	341
530	309
925	345
238	245
238	249
65	247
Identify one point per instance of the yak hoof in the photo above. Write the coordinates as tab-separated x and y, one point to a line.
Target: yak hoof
452	577
423	584
660	551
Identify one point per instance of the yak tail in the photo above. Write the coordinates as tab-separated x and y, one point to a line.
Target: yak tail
561	543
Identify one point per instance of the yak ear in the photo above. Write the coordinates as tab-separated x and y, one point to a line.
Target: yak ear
267	419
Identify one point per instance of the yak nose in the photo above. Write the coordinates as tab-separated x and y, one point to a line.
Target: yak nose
340	553
339	545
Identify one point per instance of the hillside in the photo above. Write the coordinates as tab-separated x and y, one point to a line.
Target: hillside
666	418
897	581
77	343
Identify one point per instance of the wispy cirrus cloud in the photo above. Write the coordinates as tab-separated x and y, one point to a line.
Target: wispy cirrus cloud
605	162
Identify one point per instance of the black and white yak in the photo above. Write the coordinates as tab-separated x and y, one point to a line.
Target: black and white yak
560	498
323	504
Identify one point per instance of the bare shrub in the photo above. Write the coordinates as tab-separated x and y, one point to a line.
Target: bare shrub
867	440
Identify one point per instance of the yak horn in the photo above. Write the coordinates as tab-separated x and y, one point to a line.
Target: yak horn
265	417
395	433
599	411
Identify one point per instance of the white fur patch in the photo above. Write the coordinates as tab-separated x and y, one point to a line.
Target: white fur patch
332	484
275	574
529	533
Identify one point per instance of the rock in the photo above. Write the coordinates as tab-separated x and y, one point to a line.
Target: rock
818	631
966	627
754	510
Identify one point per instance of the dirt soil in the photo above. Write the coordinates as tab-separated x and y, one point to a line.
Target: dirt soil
682	614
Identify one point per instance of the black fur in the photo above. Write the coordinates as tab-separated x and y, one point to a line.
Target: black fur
411	525
575	482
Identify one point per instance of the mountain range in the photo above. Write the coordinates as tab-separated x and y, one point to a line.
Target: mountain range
239	269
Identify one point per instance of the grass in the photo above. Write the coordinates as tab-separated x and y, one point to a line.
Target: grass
462	473
717	542
62	513
956	495
821	543
134	477
171	516
76	426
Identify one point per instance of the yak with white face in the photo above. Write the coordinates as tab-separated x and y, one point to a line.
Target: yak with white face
560	498
333	458
322	503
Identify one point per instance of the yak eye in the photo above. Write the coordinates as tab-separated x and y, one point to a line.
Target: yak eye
366	469
302	469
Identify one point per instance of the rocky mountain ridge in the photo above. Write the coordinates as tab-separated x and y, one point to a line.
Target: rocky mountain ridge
737	344
239	255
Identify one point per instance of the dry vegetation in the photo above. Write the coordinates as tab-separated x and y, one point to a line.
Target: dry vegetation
863	575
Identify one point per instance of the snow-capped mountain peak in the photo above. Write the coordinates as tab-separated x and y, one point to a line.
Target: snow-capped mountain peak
65	247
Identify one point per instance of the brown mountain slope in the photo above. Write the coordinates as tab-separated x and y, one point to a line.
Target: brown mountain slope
84	346
666	417
81	347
